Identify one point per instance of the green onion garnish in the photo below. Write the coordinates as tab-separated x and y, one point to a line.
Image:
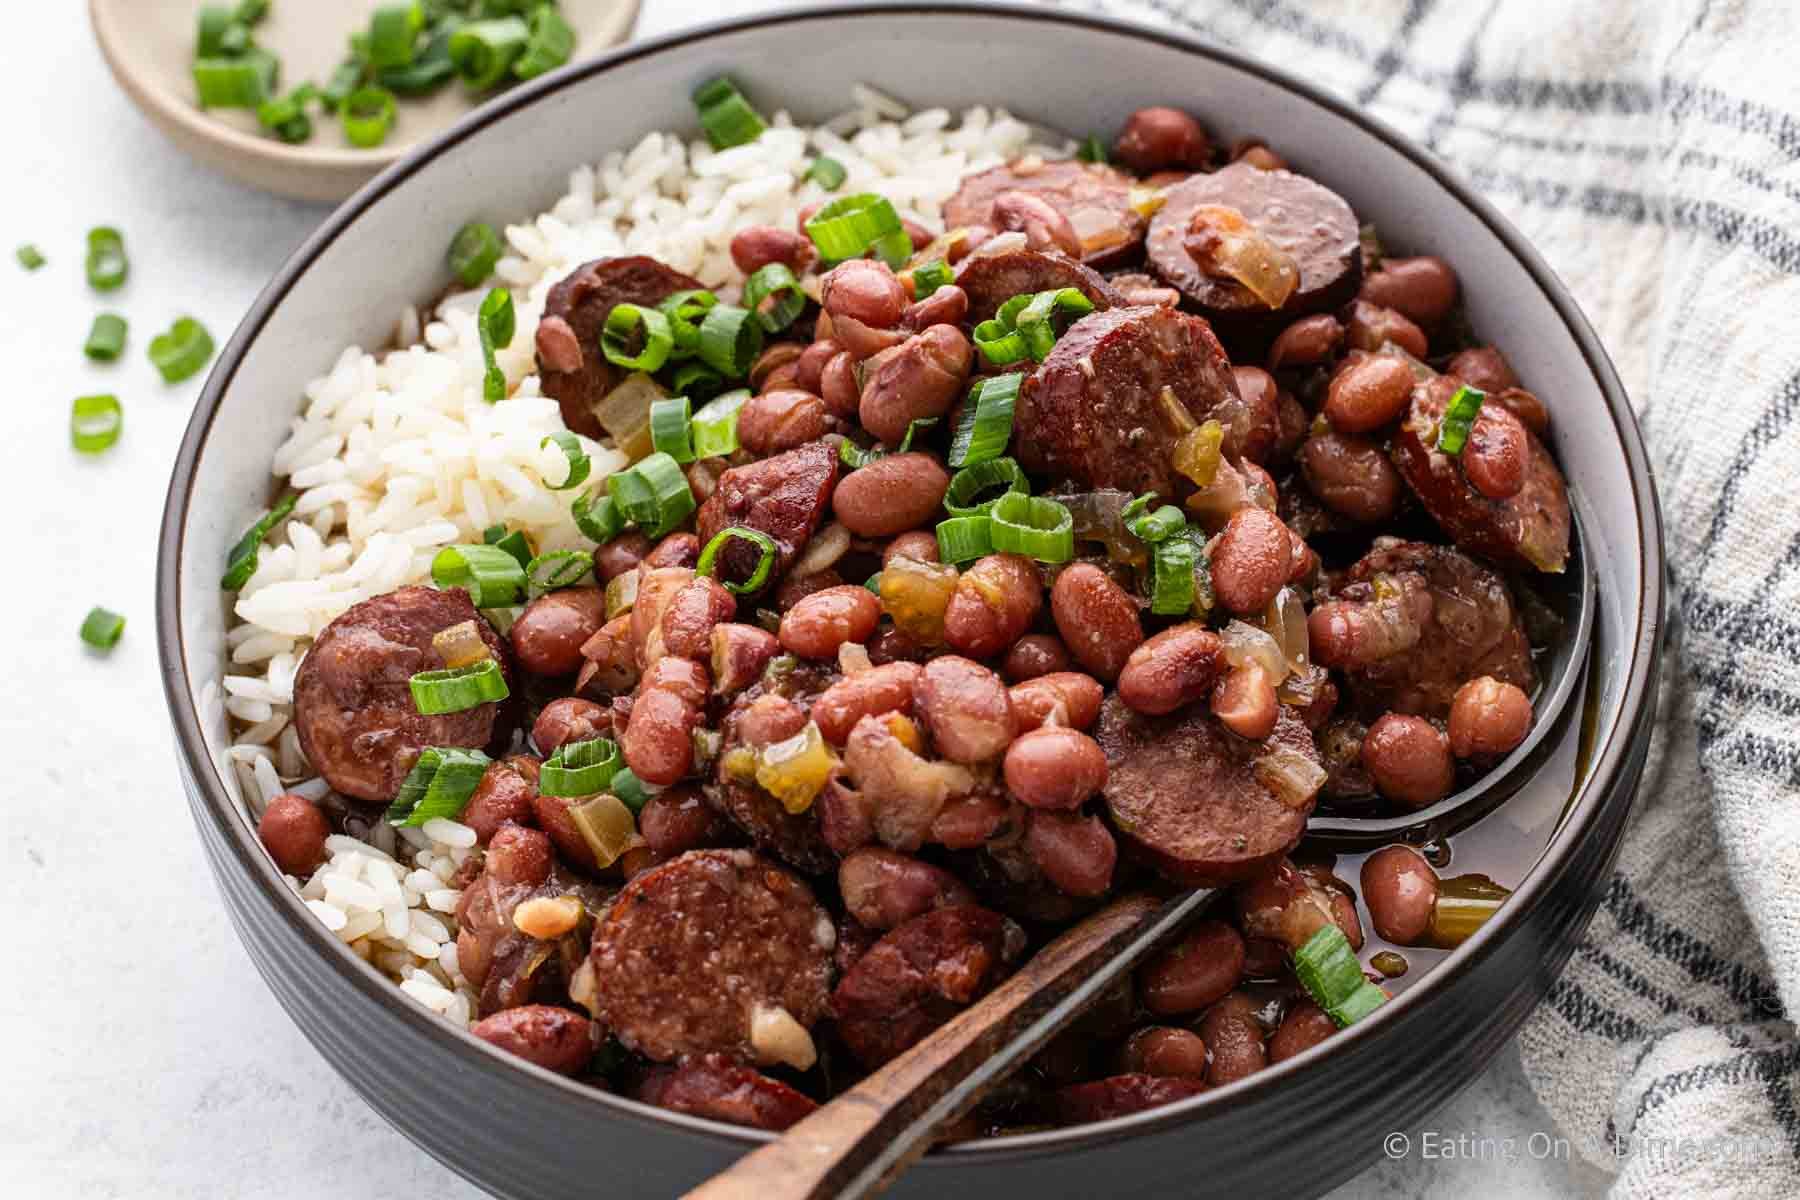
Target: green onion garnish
873	583
598	517
765	562
439	785
513	543
579	463
653	494
854	456
1034	321
458	689
368	115
669	428
929	277
1172	578
558	569
244	81
345	79
492	577
685	310
95	422
182	352
484	51
1033	526
730	339
106	340
775	283
971	481
696	380
102	628
1459	419
496	325
209	41
428	71
629	324
850	226
714	427
29	256
240	564
394	33
107	265
1092	149
583	768
552	43
725	115
987	420
961	539
1327	968
998	337
234	42
251	12
473	252
827	172
629	790
286	117
1149	526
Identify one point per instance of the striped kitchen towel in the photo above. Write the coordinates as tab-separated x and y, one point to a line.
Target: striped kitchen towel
1651	150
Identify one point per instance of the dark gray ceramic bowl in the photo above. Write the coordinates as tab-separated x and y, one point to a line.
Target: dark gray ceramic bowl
1296	1128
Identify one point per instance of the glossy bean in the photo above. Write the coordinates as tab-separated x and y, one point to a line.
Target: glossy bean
757	246
1409	760
1199	969
557	1039
676	550
966	708
781	420
887	688
1422	289
1483	367
519	854
548	636
677	820
1488	718
891	494
1166	1051
1368	392
504	794
1059	698
817	625
884	888
1098	619
1401	890
1251	561
1304	1027
837	385
773	358
622	554
919	545
994	603
1055	767
1077	854
688	621
1352	476
947	305
569	719
921	379
1043	224
1234	1038
293	831
1244	701
1033	655
1307	342
1372	326
1496	454
1175	668
739	653
810	366
863	290
1158	138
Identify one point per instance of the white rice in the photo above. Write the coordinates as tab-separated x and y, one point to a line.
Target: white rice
396	455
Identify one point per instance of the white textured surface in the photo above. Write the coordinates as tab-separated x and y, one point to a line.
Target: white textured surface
143	1057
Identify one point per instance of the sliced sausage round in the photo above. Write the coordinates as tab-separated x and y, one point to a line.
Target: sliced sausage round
990	280
1094	197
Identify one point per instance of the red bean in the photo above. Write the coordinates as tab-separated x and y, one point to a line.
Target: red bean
1259	156
817	625
1158	138
921	379
882	689
688	621
1043	224
677	820
569	719
1098	619
1059	698
1422	289
552	814
966	707
1307	342
1234	1037
810	366
968	821
520	855
918	545
1199	969
1528	408
780	420
1488	718
624	553
1245	703
1175	668
783	378
1034	655
676	550
1352	476
1055	767
1165	1051
1076	854
759	245
1483	367
1304	1027
864	290
293	831
772	359
837	384
739	653
947	305
890	495
796	588
1368	392
1401	890
1495	456
548	636
1251	561
556	1039
995	602
504	794
770	718
1372	326
1409	760
670	702
883	888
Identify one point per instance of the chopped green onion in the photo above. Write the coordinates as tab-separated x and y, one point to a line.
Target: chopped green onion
913	429
1459	419
774	282
551	45
240	564
473	252
484	51
653	494
107	265
558	569
286	118
987	420
492	577
685	310
1092	149
209	41
29	256
725	115
368	115
827	172
241	82
971	481
345	79
458	689
629	790
251	12
1034	526
1172	575
496	325
929	277
106	340
696	380
961	539
598	517
1034	321
1149	526
428	71
854	456
765	562
234	42
1327	968
730	340
577	458
873	583
850	226
95	422
714	427
394	34
584	768
999	343
513	543
439	785
101	628
629	323
669	428
182	352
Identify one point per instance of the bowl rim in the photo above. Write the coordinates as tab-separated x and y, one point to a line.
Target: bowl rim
1612	748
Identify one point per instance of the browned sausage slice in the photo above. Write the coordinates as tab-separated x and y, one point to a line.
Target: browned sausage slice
720	1090
919	976
1121	1095
784	497
1095	197
1307	220
572	370
1187	795
992	279
1527	530
691	949
353	708
1097	411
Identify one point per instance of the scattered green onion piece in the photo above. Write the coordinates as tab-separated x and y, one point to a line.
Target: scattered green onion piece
234	42
765	562
827	172
850	226
106	340
240	564
513	543
1092	149
95	422
1152	527
1327	968
439	785
241	82
492	577
579	463
473	252
987	420
670	428
551	45
102	628
913	429
1459	419
685	310
251	12
286	117
1034	526
107	265
961	539
929	277
345	79
558	569
598	517
484	51
368	115
182	352
725	115
774	282
458	689
1035	321
971	481
855	457
730	340
1172	576
628	789
653	494
1000	344
429	70
496	323
214	20
696	380
714	427
29	256
627	323
873	583
394	34
584	768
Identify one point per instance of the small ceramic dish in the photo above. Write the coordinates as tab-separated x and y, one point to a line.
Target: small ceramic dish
149	45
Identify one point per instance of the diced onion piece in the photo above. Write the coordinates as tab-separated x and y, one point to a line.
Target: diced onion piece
915	594
1146	201
794	770
1099	517
1197	453
853	658
460	645
1292	776
826	547
606	825
777	1037
1285	621
548	916
1225	245
1213	504
621	594
624	412
1246	644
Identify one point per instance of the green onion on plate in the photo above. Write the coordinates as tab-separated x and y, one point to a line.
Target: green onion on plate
183	352
484	51
107	266
102	628
368	114
552	43
95	423
29	256
106	340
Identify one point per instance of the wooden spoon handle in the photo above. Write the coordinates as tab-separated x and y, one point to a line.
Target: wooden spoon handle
864	1139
